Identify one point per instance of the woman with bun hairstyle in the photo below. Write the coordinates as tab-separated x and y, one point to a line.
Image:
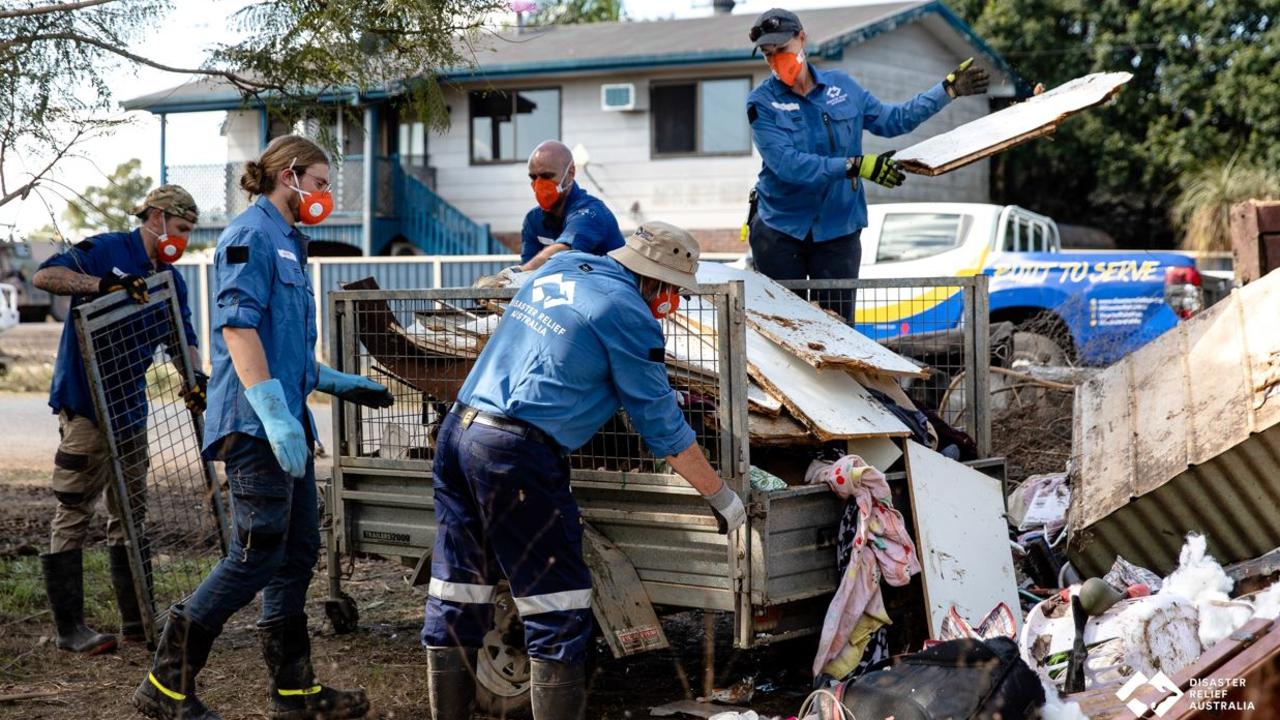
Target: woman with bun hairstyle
257	422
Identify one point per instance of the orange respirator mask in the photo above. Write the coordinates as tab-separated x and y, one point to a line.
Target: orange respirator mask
664	303
547	192
786	66
313	207
169	247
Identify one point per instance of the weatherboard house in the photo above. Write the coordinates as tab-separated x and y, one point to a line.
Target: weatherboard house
655	111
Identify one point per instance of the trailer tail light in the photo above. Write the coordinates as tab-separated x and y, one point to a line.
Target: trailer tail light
1182	291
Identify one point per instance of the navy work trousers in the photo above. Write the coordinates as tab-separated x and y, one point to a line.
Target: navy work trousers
275	541
504	509
782	257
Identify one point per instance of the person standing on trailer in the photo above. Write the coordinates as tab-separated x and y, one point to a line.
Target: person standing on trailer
811	206
258	423
90	269
580	340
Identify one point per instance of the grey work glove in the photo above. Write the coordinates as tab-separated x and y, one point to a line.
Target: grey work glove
966	80
728	508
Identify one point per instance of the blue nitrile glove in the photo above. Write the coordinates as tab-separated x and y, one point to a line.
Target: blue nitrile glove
284	432
354	388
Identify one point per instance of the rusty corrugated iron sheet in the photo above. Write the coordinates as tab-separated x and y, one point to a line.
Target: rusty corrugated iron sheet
1182	436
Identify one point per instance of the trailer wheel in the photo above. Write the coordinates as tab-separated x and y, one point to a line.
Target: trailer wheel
502	665
1038	349
343	613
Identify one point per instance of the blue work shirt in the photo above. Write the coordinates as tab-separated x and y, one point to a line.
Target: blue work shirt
261	283
586	226
114	253
804	142
576	343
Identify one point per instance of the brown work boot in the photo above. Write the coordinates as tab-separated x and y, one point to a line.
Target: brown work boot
295	694
64	583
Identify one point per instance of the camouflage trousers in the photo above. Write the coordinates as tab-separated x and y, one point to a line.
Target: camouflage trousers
83	470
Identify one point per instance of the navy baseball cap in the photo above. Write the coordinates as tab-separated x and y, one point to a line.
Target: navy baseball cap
775	27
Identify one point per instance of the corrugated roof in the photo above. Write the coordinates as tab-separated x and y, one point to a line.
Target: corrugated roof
715	36
622	45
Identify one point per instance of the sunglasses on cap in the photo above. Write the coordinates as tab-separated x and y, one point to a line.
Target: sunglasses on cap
770	25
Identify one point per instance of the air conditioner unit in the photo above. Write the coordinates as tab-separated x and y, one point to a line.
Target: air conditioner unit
623	97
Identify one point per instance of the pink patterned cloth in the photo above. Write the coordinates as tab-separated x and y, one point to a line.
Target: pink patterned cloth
881	548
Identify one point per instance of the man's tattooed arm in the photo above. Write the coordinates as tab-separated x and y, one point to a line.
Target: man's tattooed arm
65	281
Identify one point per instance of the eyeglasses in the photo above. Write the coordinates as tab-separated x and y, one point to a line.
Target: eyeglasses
768	25
321	183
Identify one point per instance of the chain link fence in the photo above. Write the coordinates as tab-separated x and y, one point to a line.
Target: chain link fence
138	365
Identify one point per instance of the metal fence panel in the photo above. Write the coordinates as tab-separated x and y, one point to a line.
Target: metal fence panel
137	364
941	323
422	344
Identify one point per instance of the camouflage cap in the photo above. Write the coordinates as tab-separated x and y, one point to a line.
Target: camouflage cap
172	199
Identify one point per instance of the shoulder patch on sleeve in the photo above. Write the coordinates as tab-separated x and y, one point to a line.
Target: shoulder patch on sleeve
658	354
238	254
752	113
85	245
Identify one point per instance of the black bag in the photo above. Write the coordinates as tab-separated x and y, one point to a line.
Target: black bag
955	680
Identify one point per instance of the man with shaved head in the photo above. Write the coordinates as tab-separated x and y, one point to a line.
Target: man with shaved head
566	217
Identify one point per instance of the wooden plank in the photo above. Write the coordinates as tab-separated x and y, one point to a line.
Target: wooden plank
618	599
778	430
1161	414
1260	303
1012	126
830	402
961	537
1216	353
759	400
1105	477
811	334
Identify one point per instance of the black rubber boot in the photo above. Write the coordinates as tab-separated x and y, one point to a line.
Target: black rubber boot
64	583
131	628
295	694
169	690
451	682
558	691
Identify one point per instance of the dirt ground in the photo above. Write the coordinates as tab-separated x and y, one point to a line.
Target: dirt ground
383	656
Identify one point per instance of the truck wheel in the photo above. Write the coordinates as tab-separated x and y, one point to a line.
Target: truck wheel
502	666
402	248
1037	349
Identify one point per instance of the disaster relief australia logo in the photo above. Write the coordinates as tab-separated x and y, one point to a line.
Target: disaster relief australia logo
1204	694
548	292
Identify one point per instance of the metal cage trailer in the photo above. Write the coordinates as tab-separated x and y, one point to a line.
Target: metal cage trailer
651	541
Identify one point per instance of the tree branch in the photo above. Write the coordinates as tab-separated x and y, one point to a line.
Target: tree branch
21	192
50	9
241	82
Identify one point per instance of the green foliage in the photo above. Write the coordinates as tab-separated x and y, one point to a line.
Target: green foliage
1206	84
106	207
572	12
22	589
1203	207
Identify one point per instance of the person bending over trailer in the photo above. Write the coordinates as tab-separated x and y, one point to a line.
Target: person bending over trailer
579	340
264	366
90	269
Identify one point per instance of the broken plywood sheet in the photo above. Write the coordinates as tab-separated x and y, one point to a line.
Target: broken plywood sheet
805	330
988	135
759	400
961	537
829	401
879	453
618	598
781	429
